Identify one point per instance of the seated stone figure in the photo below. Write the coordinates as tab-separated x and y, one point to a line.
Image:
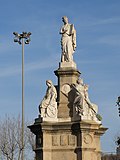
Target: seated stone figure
48	106
82	103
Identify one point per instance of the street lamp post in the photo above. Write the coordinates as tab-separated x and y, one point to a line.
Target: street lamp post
23	38
118	138
118	104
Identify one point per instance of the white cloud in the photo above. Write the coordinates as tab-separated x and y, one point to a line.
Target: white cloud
113	40
93	21
10	71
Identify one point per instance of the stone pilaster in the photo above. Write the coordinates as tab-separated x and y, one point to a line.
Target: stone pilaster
67	75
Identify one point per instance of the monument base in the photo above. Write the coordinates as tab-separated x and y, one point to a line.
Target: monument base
68	65
68	140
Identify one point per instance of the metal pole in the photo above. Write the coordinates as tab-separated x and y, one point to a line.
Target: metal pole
25	38
22	98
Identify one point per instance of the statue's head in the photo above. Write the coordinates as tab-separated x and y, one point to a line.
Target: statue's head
65	19
80	81
86	87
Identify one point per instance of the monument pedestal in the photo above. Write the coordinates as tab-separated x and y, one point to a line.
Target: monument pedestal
68	137
68	140
67	75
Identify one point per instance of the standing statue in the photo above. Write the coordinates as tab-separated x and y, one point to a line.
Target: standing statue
68	40
48	106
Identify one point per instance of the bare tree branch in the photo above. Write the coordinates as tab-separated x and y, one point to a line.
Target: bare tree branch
10	139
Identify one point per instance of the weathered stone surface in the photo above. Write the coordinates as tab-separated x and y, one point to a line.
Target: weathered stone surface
74	140
63	131
66	77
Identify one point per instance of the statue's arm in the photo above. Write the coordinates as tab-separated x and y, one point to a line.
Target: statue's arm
53	95
63	30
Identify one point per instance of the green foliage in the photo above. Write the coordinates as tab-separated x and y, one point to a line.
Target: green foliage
99	117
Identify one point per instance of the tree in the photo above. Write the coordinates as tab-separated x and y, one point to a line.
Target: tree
110	157
10	140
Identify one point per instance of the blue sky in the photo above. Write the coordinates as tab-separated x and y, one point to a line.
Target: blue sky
97	55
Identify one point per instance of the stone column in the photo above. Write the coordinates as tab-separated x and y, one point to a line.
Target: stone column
67	74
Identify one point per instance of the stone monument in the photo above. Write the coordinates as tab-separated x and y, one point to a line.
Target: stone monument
68	126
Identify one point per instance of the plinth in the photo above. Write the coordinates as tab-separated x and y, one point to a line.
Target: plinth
68	140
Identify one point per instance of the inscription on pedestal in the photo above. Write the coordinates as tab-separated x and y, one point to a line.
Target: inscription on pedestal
71	140
64	140
55	140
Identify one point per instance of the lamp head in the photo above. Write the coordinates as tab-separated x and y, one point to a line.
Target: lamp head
15	40
119	99
15	33
27	41
29	33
